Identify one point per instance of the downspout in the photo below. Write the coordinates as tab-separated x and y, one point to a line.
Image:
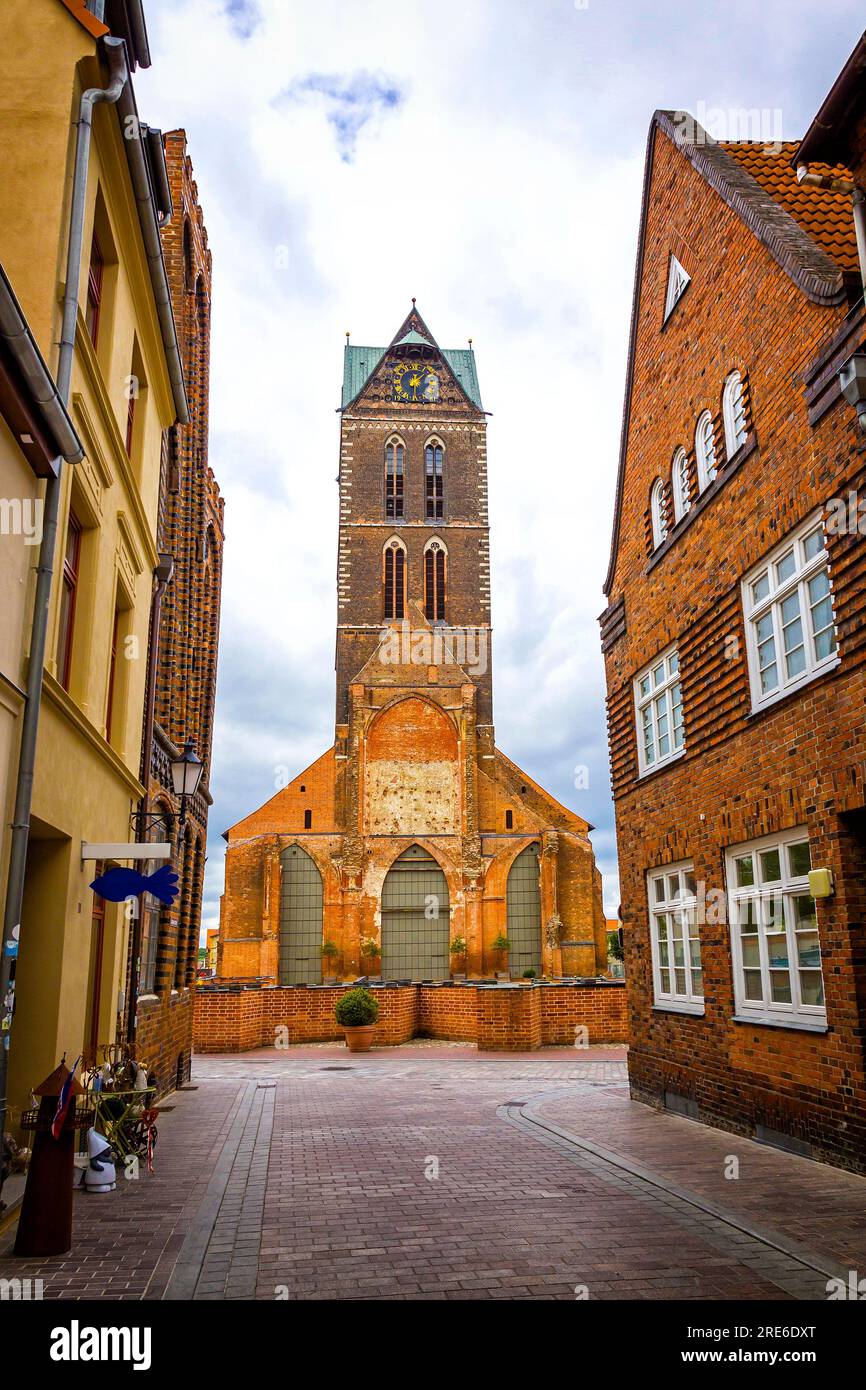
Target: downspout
115	54
858	206
163	575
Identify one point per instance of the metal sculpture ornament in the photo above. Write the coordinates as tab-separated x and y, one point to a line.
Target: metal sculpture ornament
117	885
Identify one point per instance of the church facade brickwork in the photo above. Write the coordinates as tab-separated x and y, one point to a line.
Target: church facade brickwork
413	846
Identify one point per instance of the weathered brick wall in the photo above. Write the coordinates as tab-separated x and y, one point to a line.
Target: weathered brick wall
743	775
520	1018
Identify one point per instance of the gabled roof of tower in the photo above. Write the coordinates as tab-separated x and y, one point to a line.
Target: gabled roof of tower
360	363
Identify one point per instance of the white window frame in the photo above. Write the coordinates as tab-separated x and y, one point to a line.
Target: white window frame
734	414
671	894
705	450
680	484
758	606
662	721
657	513
774	901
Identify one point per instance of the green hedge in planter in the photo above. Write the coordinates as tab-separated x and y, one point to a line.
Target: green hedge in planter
356	1008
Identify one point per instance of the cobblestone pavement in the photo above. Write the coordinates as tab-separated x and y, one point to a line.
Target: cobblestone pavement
432	1171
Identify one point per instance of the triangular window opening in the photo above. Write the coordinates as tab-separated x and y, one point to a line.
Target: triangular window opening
678	279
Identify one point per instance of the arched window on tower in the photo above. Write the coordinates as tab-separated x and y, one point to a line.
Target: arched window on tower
394	579
395	454
434	581
433	479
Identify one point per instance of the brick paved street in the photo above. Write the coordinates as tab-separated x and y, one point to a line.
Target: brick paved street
431	1171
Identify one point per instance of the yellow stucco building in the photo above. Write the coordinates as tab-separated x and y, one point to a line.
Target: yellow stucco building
126	390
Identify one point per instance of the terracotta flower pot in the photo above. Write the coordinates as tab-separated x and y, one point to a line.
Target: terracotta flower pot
360	1038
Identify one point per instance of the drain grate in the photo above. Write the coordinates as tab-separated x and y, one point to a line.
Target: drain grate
336	1068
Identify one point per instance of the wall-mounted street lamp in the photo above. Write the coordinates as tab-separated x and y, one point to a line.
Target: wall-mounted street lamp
186	772
852	382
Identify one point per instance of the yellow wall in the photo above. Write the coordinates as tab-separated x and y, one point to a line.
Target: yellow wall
84	789
18	555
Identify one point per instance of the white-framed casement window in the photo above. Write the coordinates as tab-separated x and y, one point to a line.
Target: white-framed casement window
657	513
734	414
658	701
680	484
774	932
705	450
678	981
788	610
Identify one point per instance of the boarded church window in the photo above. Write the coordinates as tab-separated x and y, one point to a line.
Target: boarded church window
394	456
434	582
395	579
434	480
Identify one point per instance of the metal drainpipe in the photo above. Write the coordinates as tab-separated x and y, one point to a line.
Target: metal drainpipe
115	53
163	575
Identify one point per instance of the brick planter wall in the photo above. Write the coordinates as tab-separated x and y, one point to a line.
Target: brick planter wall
512	1018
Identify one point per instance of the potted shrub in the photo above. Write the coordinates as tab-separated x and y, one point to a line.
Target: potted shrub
458	955
329	956
501	945
530	974
357	1011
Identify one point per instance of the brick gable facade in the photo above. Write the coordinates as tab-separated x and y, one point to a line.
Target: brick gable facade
761	303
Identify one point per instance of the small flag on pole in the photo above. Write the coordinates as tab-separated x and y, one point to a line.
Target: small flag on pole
63	1102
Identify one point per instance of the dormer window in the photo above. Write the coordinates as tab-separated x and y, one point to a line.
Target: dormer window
678	281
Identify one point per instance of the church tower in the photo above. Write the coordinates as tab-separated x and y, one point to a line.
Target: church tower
413	847
414	532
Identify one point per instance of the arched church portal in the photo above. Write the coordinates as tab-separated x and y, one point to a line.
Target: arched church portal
415	916
523	901
301	899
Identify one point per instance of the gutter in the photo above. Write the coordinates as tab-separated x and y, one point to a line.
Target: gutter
135	11
22	346
152	213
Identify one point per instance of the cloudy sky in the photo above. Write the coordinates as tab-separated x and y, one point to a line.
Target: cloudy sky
485	156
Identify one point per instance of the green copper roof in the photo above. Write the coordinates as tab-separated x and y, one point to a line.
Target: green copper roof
359	363
412	338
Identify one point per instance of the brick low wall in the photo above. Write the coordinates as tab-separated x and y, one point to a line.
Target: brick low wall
515	1018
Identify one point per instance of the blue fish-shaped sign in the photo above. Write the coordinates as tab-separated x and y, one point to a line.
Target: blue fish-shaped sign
119	884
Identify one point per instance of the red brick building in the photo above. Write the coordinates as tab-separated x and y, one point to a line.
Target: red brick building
735	647
184	633
413	844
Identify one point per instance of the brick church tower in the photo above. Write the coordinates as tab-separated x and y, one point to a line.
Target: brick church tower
413	844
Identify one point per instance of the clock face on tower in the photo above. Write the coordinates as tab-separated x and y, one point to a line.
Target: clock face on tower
415	383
